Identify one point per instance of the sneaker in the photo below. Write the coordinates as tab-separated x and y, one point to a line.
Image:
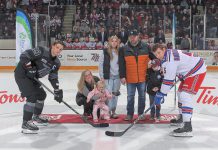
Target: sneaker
158	119
28	127
152	118
141	117
106	117
185	131
114	116
128	118
40	120
95	120
176	122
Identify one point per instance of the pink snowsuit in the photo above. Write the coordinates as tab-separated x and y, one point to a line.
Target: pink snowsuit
100	103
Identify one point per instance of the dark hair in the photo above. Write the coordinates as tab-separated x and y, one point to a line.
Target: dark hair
58	42
156	46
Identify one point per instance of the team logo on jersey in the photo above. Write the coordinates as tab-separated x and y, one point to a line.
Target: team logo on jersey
54	67
36	51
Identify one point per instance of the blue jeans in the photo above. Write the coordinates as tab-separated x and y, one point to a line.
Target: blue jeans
131	89
113	85
155	109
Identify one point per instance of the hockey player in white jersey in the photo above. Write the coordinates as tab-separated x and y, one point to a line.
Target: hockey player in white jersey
191	72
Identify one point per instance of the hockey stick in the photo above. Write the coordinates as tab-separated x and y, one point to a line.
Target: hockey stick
118	134
83	117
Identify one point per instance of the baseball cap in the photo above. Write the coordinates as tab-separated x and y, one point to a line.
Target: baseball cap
133	32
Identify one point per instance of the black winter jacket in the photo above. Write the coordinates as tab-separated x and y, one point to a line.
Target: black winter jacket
154	79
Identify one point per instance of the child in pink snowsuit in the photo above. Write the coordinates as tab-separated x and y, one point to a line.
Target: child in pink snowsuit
104	95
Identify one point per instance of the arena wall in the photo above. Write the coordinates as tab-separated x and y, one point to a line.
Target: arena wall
86	59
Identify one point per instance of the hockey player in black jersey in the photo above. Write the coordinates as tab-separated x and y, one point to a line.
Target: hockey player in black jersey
37	63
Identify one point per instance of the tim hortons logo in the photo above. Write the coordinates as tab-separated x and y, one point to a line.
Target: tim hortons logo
206	97
52	117
10	98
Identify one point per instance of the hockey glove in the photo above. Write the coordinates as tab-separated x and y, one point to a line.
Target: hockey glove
31	72
181	78
58	95
159	98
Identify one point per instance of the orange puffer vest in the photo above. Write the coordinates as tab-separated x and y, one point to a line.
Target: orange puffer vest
136	59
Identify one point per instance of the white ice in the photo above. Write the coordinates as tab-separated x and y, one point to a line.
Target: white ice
85	137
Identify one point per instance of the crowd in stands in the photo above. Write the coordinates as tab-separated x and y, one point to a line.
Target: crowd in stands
96	20
32	8
7	17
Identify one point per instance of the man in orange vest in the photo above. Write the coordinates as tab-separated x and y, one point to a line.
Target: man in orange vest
133	62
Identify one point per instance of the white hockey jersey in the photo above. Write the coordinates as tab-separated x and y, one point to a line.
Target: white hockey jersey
177	63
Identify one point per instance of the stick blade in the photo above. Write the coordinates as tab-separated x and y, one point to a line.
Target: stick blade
101	125
114	134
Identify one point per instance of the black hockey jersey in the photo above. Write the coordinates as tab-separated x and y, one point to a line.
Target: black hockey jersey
44	63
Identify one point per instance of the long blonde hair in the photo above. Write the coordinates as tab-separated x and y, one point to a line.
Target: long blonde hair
81	82
109	50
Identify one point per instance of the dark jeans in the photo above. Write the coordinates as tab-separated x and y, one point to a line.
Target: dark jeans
155	109
131	89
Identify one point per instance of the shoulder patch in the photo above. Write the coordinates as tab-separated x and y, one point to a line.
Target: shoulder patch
176	55
36	51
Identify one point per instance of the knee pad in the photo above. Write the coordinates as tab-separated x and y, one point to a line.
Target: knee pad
186	99
29	107
187	105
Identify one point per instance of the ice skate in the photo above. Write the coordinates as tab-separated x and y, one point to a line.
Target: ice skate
28	127
185	131
40	120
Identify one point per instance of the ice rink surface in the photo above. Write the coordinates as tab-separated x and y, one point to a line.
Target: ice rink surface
85	137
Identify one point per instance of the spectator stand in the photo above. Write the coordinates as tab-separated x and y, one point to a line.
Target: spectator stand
115	17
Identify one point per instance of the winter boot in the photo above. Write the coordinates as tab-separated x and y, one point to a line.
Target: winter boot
128	118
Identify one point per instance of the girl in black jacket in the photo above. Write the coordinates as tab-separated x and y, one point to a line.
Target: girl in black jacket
154	80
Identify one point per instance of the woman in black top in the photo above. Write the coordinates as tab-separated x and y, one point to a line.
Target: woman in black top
86	84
